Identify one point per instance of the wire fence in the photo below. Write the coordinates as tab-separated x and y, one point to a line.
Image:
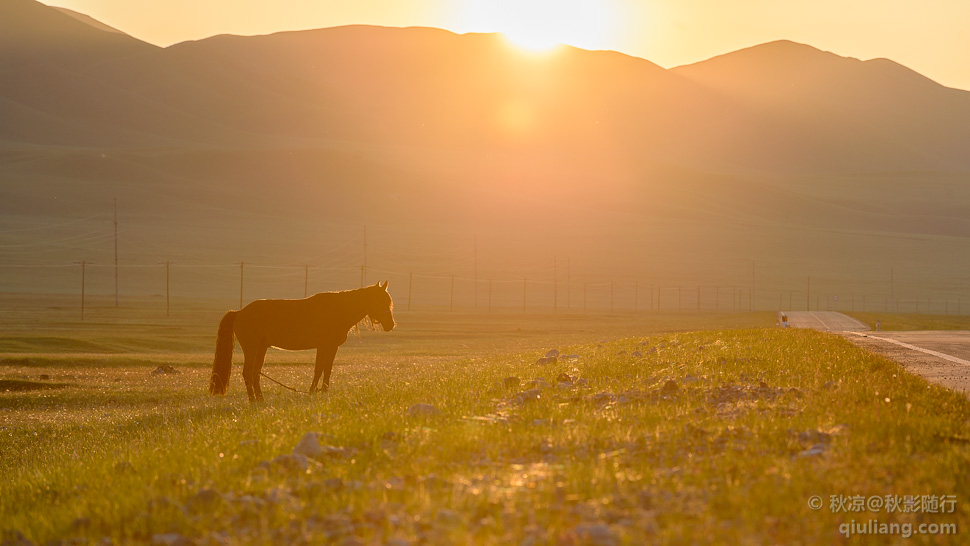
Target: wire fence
536	290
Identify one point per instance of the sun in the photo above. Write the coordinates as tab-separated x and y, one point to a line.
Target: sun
541	25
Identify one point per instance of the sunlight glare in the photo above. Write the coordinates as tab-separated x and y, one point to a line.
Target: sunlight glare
541	25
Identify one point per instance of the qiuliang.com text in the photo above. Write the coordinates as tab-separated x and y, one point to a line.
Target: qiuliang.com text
905	530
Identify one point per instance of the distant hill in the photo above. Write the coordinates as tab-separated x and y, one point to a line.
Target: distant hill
88	20
274	146
779	106
32	33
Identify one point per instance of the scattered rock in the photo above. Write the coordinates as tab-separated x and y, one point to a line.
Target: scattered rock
553	353
164	369
423	410
596	534
526	397
204	502
564	378
45	377
670	387
293	462
813	451
636	354
14	538
170	539
546	360
309	446
602	398
449	518
511	382
538	383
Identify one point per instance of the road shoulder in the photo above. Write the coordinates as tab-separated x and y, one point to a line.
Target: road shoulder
949	373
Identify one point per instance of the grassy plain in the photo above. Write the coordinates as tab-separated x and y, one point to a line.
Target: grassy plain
913	321
663	428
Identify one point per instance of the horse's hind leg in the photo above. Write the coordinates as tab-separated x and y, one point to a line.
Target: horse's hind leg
324	366
260	356
249	374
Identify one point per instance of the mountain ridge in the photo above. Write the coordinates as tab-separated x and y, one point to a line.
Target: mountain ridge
232	147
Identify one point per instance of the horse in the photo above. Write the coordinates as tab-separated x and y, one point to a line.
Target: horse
321	321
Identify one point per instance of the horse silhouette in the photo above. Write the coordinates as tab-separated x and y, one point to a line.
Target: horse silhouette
321	321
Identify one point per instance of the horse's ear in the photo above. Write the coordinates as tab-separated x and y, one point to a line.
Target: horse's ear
384	286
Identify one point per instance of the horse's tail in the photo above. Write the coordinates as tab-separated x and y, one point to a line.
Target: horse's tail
222	363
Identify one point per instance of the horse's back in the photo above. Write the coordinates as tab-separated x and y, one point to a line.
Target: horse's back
287	324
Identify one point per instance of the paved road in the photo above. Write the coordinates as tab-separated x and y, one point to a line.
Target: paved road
827	321
941	357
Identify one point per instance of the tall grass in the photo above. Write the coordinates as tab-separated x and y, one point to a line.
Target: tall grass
719	436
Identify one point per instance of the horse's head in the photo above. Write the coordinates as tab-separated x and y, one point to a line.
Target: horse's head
380	308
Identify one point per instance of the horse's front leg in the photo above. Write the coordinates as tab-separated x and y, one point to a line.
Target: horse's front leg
324	366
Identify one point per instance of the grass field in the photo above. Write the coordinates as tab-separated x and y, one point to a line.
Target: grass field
677	428
912	321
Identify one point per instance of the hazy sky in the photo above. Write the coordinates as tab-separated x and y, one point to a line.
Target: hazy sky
929	36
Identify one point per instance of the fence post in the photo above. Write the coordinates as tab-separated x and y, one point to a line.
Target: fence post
525	283
555	285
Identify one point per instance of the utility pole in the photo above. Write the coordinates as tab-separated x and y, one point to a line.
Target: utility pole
242	267
84	264
751	305
475	272
168	305
116	251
